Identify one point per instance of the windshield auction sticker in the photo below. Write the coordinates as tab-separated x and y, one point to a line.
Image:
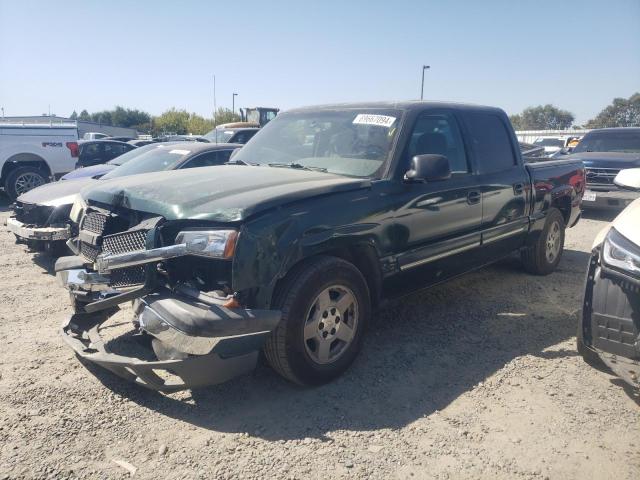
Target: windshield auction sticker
180	152
379	120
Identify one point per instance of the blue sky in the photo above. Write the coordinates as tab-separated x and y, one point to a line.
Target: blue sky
154	55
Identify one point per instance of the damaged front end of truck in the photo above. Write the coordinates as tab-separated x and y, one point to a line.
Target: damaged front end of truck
178	276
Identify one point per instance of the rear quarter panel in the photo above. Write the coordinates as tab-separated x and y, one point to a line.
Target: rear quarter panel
559	184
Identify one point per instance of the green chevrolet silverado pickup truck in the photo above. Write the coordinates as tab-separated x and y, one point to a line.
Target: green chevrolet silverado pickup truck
326	213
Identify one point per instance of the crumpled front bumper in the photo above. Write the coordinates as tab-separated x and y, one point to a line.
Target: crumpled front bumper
610	320
196	341
30	232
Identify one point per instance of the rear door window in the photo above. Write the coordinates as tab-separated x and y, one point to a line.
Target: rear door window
490	141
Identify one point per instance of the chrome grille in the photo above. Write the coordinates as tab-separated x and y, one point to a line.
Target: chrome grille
94	222
124	242
125	277
601	176
89	252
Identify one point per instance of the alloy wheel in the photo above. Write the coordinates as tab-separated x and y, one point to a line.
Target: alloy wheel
331	324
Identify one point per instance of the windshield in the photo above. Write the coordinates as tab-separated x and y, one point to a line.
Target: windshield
610	142
219	135
159	157
354	142
131	154
549	142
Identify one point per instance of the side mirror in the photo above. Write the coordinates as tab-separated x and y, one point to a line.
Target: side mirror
233	154
629	179
429	167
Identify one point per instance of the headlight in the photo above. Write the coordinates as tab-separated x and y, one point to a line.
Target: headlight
209	243
78	207
620	253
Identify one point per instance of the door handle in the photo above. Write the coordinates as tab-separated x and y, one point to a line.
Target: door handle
518	188
473	197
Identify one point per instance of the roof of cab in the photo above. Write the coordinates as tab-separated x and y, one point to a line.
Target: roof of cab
406	105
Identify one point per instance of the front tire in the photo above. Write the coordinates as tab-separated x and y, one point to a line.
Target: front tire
543	256
326	307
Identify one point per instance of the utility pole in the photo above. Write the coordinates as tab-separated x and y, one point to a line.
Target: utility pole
215	123
233	103
424	67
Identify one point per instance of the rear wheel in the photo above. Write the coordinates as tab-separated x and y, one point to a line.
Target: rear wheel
325	308
23	179
543	256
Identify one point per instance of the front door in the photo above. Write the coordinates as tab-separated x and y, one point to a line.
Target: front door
441	219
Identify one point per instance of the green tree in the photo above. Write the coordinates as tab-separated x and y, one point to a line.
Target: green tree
126	117
172	121
84	115
225	115
181	122
74	115
198	125
103	117
623	112
542	117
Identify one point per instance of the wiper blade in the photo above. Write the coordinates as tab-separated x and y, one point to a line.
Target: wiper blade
298	166
239	162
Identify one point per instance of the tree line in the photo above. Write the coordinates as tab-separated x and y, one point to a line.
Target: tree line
173	120
623	112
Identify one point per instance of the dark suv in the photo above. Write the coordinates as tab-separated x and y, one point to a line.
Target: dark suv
605	152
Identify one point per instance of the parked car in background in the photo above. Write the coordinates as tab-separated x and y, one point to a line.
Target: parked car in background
180	138
605	152
34	154
121	138
321	216
94	136
231	135
95	152
141	143
551	144
41	216
97	171
609	327
528	150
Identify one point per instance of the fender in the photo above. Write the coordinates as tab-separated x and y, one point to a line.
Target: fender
270	245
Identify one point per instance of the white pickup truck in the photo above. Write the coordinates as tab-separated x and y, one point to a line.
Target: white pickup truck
33	154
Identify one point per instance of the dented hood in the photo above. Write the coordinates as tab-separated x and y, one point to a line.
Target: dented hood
228	193
57	193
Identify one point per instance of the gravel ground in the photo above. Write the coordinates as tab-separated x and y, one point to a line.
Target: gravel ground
478	378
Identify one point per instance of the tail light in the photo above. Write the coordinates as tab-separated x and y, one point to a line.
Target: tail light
75	150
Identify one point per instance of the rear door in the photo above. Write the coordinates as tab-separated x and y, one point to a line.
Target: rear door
503	180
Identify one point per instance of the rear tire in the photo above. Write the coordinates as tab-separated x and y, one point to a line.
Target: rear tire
325	308
23	179
543	256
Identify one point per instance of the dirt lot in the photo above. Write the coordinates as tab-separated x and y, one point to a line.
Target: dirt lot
478	378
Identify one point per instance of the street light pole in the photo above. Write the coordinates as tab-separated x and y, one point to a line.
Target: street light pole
424	67
233	103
